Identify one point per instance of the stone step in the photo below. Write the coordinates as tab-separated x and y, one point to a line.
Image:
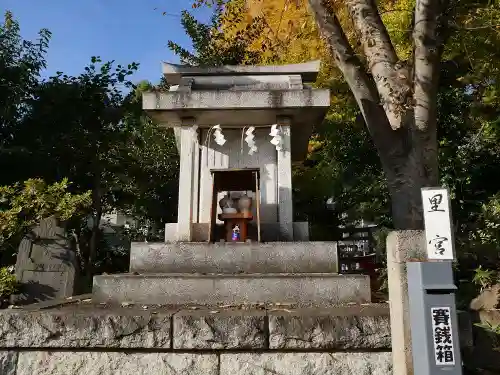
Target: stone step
232	258
211	289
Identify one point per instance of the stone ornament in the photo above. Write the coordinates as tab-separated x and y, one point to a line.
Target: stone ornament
245	203
227	205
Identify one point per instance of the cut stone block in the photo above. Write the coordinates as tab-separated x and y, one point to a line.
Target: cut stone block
84	329
340	328
112	363
219	329
178	289
306	364
8	362
276	257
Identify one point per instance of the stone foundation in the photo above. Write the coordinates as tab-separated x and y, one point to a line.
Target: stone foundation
90	339
100	363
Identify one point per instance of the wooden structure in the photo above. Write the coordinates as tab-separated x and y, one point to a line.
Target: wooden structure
235	180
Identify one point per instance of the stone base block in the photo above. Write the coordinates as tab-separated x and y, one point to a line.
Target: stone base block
112	363
102	363
306	364
88	326
272	257
213	289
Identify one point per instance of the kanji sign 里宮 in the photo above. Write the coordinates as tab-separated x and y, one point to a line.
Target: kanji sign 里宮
444	350
437	218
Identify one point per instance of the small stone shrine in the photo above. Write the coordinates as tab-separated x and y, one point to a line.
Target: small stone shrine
239	128
238	131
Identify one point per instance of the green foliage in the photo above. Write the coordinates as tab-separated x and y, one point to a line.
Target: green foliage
76	129
8	283
150	184
212	47
20	64
24	205
484	278
343	165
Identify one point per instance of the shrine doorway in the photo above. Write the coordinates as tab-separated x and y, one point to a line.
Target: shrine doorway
238	226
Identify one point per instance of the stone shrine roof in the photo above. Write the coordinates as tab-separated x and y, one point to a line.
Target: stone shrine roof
239	96
307	71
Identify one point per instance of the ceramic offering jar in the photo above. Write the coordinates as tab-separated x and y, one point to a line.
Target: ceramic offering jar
245	203
227	205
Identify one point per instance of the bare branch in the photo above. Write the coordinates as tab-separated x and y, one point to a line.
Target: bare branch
391	78
374	36
429	34
362	86
343	53
427	55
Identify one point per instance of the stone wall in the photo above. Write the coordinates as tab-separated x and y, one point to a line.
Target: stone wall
96	340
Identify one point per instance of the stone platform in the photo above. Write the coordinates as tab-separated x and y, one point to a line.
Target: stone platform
228	258
311	288
222	273
81	337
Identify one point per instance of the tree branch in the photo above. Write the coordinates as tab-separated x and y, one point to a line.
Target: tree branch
391	77
427	55
429	35
345	57
363	87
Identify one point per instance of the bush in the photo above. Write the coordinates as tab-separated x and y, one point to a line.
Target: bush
8	283
24	205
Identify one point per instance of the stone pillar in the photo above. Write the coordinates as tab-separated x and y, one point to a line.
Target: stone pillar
188	136
196	177
401	247
285	203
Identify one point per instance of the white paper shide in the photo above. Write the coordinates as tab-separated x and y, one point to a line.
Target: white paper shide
444	349
438	230
218	136
276	134
250	140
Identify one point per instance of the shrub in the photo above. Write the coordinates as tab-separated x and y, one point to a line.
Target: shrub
8	283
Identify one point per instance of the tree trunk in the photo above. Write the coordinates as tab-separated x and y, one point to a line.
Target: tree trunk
409	160
406	176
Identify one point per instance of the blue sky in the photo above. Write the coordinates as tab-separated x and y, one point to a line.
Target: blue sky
120	30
